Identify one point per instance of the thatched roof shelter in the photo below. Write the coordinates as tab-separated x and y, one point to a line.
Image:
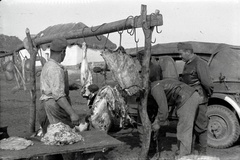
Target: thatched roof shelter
92	42
8	43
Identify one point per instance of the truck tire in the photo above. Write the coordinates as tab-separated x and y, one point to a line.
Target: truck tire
223	127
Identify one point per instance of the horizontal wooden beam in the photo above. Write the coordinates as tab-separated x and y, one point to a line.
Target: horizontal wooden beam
136	22
155	19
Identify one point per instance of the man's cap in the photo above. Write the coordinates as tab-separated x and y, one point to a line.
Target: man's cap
58	44
184	46
93	88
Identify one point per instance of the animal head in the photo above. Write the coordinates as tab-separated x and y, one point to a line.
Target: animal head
89	90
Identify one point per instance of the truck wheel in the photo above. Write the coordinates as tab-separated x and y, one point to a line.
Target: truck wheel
223	127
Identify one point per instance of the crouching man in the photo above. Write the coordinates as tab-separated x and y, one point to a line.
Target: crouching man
186	99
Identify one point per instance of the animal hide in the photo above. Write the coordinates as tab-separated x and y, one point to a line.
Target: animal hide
86	74
15	143
125	70
109	109
61	134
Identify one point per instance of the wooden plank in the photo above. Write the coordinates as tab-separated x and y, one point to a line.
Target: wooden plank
94	141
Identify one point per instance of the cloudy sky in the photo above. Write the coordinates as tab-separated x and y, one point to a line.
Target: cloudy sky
183	20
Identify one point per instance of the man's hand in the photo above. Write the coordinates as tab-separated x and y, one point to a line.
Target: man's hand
155	126
64	104
75	119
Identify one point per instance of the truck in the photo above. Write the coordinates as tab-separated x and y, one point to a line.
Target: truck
224	66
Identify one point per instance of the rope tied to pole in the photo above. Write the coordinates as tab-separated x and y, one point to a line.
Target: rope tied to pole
135	33
83	33
104	47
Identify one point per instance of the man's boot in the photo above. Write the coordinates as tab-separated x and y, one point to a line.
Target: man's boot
202	150
193	144
203	143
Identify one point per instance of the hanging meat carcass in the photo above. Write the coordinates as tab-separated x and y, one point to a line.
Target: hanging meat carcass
109	109
86	75
124	70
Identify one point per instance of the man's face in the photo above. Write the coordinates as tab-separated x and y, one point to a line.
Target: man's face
185	55
63	54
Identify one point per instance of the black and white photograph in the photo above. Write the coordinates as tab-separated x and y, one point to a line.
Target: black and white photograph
119	79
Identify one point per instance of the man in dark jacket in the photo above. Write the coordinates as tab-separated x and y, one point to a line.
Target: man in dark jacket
196	74
186	99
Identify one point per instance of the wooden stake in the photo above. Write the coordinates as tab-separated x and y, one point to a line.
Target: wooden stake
33	53
147	130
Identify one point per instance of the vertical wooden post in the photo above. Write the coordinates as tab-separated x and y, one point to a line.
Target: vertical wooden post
33	53
147	130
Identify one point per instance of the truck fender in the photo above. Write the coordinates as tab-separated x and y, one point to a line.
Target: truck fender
230	100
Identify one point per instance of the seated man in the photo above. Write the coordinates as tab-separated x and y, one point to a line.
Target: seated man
186	99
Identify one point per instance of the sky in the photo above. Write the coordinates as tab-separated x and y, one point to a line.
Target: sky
215	21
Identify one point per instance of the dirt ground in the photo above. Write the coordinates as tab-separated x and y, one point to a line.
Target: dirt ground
14	113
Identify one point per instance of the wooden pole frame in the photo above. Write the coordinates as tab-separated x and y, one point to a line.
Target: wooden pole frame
33	53
147	130
146	22
129	23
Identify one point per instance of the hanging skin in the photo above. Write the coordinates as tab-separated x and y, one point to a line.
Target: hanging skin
85	75
124	70
109	111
